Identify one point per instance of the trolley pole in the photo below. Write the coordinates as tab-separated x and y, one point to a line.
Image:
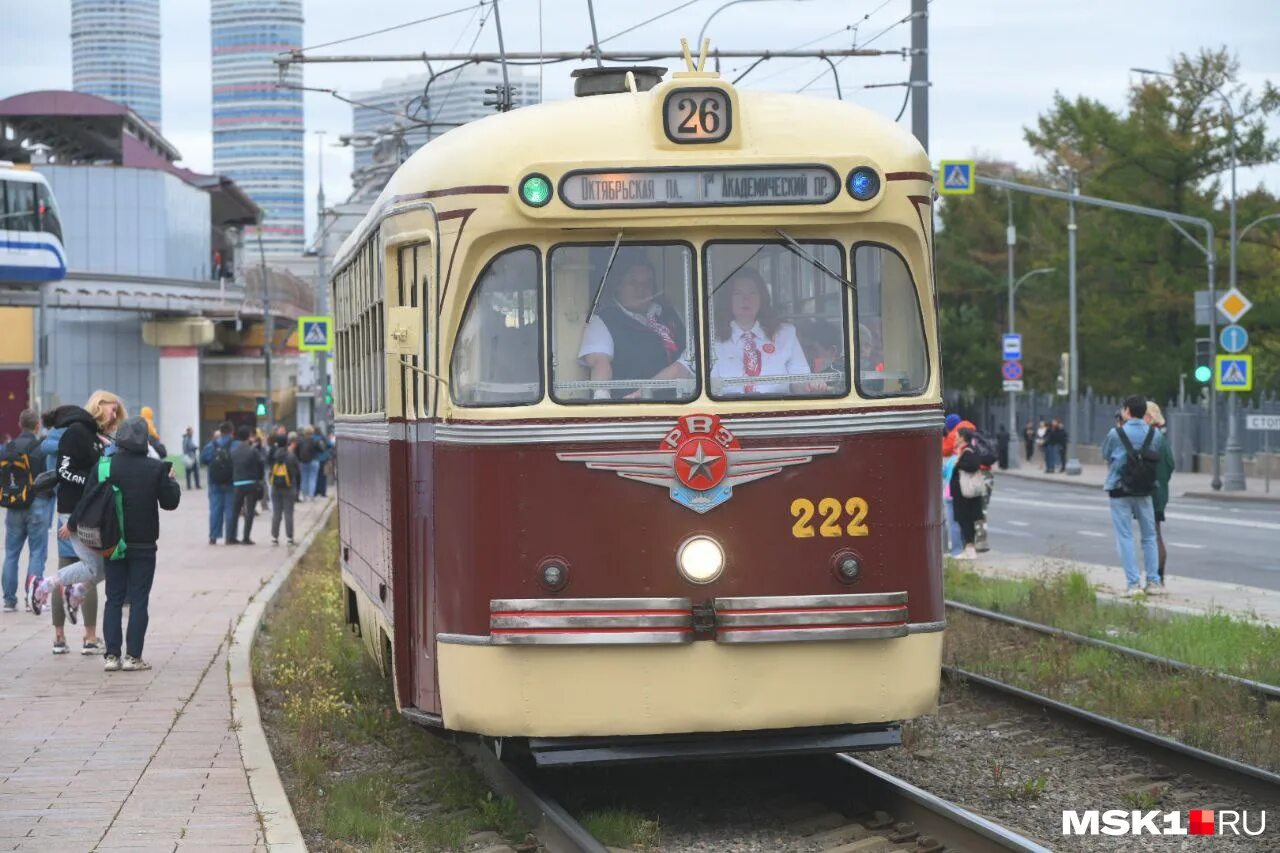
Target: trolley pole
1073	396
920	71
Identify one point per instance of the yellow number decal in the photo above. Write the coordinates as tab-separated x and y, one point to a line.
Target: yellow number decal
830	509
857	507
802	512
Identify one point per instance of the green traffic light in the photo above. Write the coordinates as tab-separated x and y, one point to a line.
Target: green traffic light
535	190
1203	373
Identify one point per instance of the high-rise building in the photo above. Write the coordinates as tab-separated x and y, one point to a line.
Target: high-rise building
258	126
115	52
453	99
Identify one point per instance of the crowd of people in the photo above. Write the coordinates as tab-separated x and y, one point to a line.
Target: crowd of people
100	478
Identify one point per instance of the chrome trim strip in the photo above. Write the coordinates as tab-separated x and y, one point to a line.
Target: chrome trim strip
628	638
926	627
655	620
376	431
791	426
789	602
464	639
793	635
729	621
552	605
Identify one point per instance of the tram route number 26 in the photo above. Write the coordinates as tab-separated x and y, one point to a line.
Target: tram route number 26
698	115
833	515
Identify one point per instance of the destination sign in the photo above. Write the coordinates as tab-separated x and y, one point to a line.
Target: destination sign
707	187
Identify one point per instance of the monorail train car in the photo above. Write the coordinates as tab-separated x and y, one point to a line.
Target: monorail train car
31	249
638	414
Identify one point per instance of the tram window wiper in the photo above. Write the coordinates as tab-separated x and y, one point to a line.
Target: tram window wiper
605	278
797	249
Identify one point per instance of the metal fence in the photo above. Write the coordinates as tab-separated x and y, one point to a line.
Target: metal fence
1188	423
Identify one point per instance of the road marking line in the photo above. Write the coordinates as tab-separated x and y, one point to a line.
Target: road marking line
1185	545
1006	532
1019	523
1095	534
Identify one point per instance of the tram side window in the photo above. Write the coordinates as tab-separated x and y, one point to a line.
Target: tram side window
626	330
358	325
496	357
892	358
777	319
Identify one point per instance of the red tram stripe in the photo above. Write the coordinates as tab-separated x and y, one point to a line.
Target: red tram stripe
858	608
550	613
639	629
729	629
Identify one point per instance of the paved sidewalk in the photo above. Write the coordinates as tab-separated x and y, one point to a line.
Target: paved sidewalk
1195	485
92	760
1184	595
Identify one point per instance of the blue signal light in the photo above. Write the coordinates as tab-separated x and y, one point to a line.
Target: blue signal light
863	183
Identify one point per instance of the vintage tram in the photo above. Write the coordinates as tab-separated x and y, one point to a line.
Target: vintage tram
638	409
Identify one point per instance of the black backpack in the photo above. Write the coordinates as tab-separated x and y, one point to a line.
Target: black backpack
220	471
983	449
1138	471
17	480
99	517
306	448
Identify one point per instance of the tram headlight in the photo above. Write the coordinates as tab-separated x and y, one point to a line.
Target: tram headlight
535	190
863	183
700	559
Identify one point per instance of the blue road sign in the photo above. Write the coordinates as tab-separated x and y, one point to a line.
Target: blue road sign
1011	370
1233	338
1011	347
957	177
315	334
1233	373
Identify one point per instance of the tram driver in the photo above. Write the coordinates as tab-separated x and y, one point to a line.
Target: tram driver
635	333
752	340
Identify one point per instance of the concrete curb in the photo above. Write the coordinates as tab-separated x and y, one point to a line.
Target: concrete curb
1063	479
1235	496
279	825
1072	480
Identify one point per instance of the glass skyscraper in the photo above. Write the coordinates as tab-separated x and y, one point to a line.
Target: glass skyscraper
115	52
258	127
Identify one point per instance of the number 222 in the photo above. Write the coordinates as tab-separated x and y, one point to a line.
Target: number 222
802	510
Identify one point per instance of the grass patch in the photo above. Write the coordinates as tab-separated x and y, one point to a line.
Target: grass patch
622	828
359	776
1190	707
1066	600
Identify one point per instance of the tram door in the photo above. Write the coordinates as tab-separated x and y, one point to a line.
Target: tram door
416	670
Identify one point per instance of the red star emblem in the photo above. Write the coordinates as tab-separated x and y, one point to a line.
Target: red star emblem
701	463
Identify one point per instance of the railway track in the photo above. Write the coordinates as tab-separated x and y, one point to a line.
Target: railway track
907	818
1267	691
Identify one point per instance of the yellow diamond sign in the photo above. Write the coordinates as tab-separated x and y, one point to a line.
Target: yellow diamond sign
1234	305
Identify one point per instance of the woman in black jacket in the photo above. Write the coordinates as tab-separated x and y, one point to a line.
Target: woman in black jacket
146	486
968	510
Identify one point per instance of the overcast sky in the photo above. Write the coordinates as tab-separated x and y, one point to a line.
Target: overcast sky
995	64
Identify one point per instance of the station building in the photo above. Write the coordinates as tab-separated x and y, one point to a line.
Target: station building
163	303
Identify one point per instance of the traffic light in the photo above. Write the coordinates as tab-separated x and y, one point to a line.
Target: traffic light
261	409
1064	374
328	394
1204	360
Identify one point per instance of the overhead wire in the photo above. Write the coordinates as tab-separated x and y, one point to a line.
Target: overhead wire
648	21
458	11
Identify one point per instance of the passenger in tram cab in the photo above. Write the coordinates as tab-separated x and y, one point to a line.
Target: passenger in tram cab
635	333
751	340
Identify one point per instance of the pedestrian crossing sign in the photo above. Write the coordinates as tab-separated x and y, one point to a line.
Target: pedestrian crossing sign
958	177
315	334
1233	373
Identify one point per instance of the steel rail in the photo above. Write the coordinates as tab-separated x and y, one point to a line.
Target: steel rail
958	827
1256	780
555	827
1270	691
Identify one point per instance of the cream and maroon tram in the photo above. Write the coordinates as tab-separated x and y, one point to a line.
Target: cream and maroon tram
638	415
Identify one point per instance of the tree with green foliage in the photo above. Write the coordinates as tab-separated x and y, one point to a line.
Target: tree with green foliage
1136	276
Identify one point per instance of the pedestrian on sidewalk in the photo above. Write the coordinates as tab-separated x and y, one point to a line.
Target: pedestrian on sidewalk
284	476
1164	473
90	645
86	437
307	452
1029	436
323	455
1060	444
1042	442
216	457
146	486
191	456
1002	446
951	537
968	507
246	476
27	520
158	450
1132	452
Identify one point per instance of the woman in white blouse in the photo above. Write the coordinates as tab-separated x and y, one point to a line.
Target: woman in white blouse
751	340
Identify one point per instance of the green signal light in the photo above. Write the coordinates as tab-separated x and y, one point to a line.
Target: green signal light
1203	373
535	190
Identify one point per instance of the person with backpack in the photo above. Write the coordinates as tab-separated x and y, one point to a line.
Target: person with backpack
27	520
85	439
324	453
968	488
246	478
216	457
283	475
1164	473
307	452
139	486
1132	451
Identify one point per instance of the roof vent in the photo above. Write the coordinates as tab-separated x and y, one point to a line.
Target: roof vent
611	81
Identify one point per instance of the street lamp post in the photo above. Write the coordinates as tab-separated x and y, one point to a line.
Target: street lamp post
1013	290
1233	462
